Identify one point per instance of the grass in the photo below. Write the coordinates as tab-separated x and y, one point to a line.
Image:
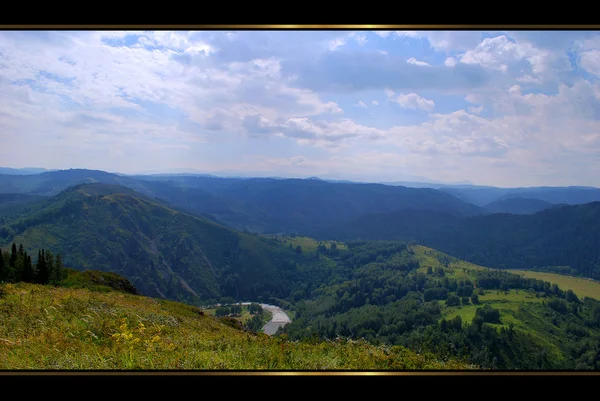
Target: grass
45	327
580	286
456	268
503	301
308	244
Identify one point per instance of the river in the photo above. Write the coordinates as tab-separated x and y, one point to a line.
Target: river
279	319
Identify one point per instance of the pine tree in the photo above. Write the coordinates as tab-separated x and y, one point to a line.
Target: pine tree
42	269
21	250
13	255
18	269
28	273
59	271
49	258
2	268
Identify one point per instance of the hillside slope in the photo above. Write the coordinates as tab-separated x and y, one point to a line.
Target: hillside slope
53	328
164	252
561	236
423	299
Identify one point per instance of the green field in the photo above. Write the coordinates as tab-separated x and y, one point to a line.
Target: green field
580	286
456	268
503	301
306	243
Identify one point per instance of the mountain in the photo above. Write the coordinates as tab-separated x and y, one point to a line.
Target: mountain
14	202
52	182
308	205
517	205
255	204
560	236
481	196
22	171
164	252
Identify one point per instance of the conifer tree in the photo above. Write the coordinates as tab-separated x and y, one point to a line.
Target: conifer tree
42	269
13	255
59	271
28	273
19	265
49	259
2	268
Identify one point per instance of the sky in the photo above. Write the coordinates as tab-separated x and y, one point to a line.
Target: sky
502	108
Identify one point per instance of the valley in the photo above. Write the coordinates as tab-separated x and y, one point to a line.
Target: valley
433	273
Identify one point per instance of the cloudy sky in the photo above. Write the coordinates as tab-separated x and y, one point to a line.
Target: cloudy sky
494	108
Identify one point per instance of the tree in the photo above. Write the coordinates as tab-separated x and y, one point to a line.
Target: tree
429	270
59	271
2	268
474	299
42	268
298	249
13	255
222	311
452	300
28	273
571	297
49	259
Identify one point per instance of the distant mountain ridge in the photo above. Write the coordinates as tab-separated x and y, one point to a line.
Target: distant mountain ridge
23	171
517	205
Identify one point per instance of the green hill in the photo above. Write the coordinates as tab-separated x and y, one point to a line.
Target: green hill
423	299
561	236
56	328
164	252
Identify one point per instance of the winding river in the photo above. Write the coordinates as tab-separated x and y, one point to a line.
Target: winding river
279	319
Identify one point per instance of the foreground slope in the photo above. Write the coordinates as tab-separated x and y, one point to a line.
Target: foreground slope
44	327
164	252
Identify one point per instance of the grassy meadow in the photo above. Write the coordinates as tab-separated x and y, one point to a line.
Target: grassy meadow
583	287
46	327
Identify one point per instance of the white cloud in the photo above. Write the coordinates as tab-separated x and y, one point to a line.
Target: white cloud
590	61
445	40
476	110
383	34
499	53
450	62
336	43
528	79
137	100
360	38
414	101
414	61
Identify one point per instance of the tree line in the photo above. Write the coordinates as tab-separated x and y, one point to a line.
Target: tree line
17	265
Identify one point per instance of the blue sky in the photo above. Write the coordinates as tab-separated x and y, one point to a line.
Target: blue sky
494	108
